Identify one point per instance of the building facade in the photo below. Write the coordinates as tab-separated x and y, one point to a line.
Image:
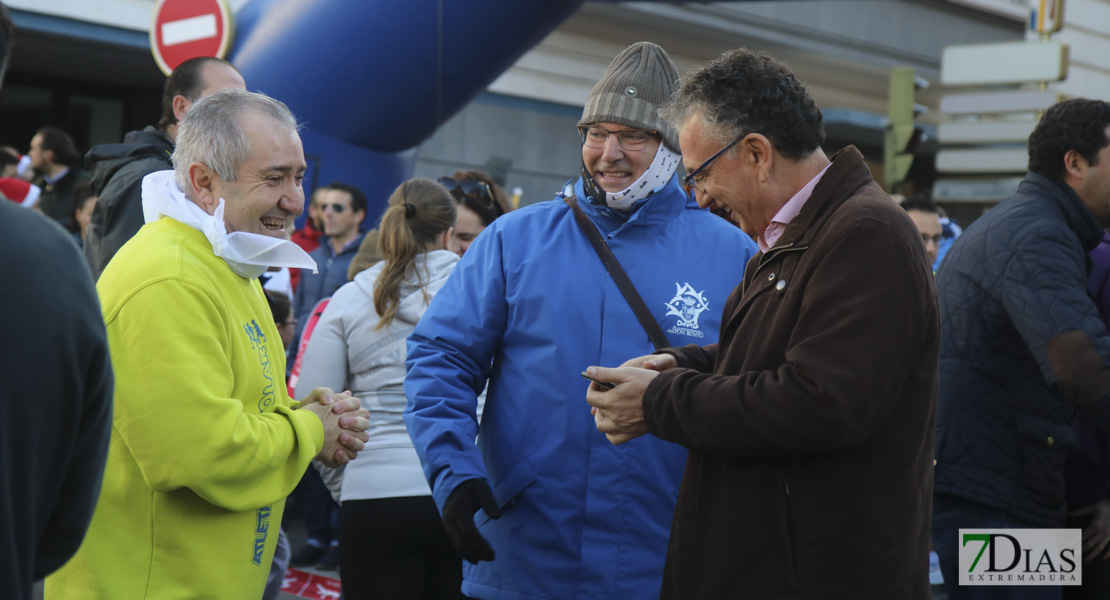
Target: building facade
87	67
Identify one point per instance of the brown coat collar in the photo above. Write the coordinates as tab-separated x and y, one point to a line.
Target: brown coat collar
839	182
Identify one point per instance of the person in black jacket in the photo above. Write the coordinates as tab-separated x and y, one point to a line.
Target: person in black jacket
55	393
1023	347
118	169
54	157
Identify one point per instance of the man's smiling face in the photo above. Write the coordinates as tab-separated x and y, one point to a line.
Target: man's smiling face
267	195
612	167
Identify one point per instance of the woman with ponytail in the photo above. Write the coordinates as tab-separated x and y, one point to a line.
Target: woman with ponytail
392	542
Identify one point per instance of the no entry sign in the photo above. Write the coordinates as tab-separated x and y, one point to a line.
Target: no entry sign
184	29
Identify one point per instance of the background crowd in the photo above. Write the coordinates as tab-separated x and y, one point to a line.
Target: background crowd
799	400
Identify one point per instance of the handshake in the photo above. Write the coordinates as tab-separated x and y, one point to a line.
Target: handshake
345	424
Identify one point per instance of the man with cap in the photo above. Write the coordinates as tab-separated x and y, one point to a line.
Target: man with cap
542	506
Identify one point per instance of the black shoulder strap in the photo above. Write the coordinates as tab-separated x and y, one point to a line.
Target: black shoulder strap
613	267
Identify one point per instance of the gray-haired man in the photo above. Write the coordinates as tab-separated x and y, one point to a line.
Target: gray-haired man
205	442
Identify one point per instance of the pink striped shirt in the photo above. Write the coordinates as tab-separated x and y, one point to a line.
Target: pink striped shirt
787	213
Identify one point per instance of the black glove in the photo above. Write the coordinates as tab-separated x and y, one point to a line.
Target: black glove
458	518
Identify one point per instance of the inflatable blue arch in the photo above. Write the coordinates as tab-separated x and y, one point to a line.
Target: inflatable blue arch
372	79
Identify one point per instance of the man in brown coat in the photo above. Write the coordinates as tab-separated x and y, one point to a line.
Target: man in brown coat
810	424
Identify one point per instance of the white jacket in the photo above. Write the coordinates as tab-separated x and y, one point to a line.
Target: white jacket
345	352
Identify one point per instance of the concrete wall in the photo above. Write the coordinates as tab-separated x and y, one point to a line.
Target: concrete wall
529	144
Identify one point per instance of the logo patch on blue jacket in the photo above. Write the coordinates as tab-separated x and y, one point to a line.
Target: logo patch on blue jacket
258	343
687	305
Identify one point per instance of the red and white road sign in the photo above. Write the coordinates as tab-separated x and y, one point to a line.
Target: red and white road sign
184	29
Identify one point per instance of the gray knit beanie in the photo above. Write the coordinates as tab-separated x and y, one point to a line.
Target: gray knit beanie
636	84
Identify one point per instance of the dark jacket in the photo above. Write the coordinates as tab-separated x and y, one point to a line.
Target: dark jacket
1087	478
810	424
56	200
1022	344
118	171
313	287
55	354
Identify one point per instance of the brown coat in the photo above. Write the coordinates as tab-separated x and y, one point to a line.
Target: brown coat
810	425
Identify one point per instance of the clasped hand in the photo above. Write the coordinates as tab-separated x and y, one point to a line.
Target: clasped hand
619	412
345	424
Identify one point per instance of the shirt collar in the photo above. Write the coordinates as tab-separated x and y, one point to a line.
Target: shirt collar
787	213
49	179
355	241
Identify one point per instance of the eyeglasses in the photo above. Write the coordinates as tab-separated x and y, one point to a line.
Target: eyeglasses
629	139
690	184
478	190
335	208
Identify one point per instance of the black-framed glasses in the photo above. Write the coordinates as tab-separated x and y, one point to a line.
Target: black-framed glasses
335	207
474	189
690	183
628	139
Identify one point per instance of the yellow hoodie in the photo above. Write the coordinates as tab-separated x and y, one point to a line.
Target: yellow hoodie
204	447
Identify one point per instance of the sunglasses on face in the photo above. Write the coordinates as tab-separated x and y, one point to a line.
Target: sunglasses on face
335	208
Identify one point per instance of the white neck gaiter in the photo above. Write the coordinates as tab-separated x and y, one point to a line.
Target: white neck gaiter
248	254
654	178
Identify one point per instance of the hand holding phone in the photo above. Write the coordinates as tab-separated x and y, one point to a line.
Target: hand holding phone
605	384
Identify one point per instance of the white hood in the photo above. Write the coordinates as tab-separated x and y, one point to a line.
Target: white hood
433	268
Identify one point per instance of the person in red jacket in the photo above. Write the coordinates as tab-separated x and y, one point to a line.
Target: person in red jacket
308	237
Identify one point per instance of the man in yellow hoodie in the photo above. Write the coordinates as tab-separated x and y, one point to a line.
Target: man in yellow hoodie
206	442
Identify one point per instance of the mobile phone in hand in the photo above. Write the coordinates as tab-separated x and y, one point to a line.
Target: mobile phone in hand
605	384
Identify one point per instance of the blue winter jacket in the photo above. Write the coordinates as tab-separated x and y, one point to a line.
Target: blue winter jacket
528	308
1022	345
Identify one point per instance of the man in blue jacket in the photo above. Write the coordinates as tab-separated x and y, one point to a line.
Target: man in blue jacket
342	208
564	513
1022	344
